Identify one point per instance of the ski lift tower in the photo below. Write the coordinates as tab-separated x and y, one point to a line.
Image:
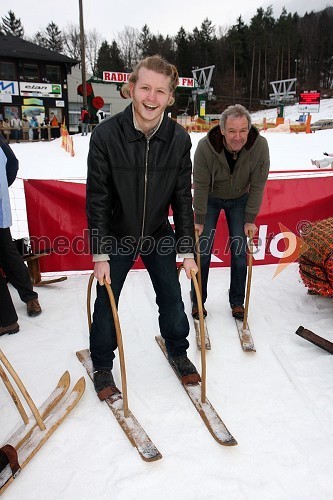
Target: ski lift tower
284	94
202	78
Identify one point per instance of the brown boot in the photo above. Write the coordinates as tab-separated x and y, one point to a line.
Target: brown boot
33	308
10	329
238	312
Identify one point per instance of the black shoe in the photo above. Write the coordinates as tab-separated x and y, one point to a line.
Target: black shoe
183	365
103	379
238	312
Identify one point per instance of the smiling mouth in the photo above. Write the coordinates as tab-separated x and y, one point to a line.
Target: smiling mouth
150	107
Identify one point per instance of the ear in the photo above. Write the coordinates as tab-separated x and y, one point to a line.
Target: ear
131	88
171	101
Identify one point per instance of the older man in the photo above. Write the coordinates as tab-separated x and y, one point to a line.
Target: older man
231	166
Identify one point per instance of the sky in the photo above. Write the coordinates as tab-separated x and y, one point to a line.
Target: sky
277	402
110	18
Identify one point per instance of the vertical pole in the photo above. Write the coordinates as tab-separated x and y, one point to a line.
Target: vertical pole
83	57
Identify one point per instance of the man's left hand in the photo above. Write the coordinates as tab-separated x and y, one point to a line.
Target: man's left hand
190	265
250	227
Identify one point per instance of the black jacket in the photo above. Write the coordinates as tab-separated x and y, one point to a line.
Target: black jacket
132	182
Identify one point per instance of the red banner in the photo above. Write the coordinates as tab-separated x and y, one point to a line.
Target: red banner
57	220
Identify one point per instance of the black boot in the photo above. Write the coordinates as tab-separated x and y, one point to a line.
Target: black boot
104	384
185	369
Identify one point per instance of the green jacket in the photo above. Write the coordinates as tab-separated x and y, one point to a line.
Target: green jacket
212	177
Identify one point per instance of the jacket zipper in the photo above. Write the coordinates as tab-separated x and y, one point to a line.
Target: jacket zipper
145	193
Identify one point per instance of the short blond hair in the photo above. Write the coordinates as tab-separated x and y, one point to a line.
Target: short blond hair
159	65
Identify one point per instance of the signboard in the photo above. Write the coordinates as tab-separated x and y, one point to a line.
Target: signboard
9	87
309	101
34	89
117	77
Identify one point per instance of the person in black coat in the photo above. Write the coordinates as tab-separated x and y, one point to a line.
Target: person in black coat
11	262
138	166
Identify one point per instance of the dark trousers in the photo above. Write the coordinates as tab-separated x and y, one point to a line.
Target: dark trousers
173	322
14	268
235	215
8	314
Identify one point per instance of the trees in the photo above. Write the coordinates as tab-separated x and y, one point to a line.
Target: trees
11	25
247	57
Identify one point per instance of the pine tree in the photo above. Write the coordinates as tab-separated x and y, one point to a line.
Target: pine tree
12	25
54	37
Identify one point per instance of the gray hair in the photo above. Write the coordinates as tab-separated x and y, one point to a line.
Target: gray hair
235	111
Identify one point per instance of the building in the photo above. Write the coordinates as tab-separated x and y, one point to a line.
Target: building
113	102
33	80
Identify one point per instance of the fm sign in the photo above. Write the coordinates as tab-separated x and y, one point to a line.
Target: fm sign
117	77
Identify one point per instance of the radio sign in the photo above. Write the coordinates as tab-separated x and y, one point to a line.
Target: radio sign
117	77
309	101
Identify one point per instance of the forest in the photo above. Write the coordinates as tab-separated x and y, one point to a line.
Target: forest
247	57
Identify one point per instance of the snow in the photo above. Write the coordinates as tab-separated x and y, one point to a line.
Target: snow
277	402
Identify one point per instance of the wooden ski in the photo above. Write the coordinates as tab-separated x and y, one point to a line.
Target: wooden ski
132	428
56	413
208	414
245	336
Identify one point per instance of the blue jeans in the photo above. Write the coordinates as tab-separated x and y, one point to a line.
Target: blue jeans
173	322
235	215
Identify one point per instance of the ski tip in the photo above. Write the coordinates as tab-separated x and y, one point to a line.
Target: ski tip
231	442
299	330
82	355
65	379
80	385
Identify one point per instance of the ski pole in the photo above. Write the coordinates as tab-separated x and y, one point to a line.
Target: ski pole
202	336
197	251
23	391
120	347
249	279
118	334
14	396
202	333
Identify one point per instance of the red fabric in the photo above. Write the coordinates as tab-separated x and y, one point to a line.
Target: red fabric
56	211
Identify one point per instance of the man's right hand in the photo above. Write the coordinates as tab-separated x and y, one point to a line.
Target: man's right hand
199	228
102	271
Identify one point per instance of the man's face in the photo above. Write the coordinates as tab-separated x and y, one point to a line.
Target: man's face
151	95
236	132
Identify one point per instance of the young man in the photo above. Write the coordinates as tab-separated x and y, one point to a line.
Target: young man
231	166
138	165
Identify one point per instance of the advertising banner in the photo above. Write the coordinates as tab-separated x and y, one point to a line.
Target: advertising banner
288	209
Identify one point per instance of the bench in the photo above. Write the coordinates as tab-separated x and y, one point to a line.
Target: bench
32	260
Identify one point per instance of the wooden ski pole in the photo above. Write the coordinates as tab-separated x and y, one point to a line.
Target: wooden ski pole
197	251
14	395
202	333
249	279
120	347
119	337
23	390
202	336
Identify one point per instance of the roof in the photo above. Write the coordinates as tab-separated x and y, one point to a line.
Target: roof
16	47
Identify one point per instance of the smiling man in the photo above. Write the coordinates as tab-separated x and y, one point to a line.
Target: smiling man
138	165
231	166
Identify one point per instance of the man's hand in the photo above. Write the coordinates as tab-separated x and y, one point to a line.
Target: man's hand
249	226
101	271
190	265
199	228
326	154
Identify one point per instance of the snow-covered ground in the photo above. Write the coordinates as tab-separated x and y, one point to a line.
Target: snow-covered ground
277	402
